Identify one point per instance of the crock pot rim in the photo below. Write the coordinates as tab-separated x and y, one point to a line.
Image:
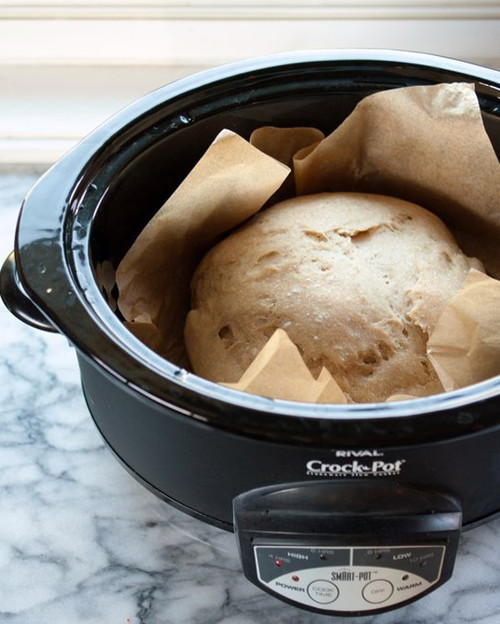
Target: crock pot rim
186	385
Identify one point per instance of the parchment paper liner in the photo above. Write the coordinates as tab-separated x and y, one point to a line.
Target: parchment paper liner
423	144
230	183
283	144
279	372
464	347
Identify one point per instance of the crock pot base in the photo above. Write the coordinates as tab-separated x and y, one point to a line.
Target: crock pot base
161	495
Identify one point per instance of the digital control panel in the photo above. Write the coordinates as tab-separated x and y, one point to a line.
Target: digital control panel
348	579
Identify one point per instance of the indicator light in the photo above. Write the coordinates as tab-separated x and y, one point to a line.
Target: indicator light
322	556
277	563
295	578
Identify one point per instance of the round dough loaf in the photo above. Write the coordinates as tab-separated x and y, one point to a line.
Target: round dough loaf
358	281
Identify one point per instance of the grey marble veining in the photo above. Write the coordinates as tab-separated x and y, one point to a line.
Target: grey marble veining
82	542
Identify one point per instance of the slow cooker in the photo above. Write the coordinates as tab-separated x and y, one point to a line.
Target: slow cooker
338	509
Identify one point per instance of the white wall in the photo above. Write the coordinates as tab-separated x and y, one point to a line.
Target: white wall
67	65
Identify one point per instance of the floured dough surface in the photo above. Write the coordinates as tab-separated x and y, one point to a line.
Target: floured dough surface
358	282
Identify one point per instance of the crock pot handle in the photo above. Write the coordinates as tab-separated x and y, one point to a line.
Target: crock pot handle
355	547
17	301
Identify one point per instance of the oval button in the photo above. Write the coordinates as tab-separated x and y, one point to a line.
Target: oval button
378	591
322	591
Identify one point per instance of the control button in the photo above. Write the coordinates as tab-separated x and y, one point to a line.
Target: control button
322	591
378	591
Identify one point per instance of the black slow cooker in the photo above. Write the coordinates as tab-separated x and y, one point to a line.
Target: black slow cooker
338	509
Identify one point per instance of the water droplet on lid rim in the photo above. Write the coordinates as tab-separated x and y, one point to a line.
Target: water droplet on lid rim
181	374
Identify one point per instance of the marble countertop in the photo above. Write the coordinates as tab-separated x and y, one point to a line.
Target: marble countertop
82	542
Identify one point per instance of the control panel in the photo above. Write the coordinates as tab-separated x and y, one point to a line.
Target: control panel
349	578
347	548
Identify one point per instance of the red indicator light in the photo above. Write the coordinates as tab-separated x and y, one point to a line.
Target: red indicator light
277	563
295	578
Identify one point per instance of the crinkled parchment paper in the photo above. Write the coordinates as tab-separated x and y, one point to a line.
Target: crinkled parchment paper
230	183
425	144
283	144
465	344
279	372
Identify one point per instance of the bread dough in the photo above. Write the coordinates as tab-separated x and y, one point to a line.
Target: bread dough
358	281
